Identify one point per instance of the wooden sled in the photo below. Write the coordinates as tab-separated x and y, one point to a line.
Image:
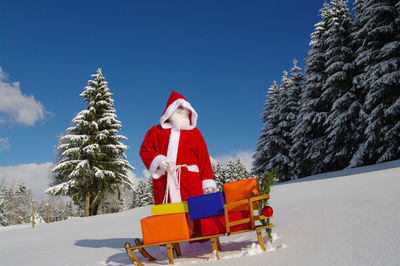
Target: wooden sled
216	246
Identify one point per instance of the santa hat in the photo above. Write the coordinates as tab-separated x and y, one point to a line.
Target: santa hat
175	100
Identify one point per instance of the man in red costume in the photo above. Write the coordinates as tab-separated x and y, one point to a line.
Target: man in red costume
176	155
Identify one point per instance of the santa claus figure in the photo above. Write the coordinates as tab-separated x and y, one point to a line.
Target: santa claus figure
176	155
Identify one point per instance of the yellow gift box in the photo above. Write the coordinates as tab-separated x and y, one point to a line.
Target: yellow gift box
169	208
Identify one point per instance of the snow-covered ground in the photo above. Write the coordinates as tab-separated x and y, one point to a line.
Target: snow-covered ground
349	217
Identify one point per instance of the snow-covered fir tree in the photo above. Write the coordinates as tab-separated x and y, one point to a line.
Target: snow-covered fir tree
349	106
218	171
344	106
293	106
265	144
3	207
144	193
360	66
23	201
148	196
378	65
117	202
281	133
92	161
235	170
139	195
310	130
241	170
15	203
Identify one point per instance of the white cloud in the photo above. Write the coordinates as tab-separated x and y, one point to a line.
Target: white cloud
16	106
4	144
246	157
36	176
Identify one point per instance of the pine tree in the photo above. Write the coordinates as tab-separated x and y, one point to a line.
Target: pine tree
293	109
378	62
310	129
148	196
360	65
144	193
111	203
235	170
3	209
140	191
341	121
23	199
92	160
266	146
230	173
240	169
218	171
15	203
280	135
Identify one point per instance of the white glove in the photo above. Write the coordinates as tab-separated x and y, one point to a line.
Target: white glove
163	165
209	186
209	190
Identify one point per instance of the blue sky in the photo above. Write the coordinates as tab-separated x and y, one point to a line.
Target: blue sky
221	55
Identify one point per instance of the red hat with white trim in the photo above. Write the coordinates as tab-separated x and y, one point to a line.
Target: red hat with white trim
174	101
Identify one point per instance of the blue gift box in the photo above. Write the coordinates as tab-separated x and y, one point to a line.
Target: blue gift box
206	205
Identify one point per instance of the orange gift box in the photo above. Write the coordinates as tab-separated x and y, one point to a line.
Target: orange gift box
239	190
163	228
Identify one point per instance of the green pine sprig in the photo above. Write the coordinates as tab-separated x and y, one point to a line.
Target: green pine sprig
264	187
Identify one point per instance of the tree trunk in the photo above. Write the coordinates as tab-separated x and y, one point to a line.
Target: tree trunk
95	209
87	203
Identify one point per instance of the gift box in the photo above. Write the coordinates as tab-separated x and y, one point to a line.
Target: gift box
169	208
206	205
214	225
163	228
239	190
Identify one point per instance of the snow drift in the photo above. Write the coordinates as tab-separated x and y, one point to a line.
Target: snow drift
348	217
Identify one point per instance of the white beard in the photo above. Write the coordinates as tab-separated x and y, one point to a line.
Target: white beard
180	119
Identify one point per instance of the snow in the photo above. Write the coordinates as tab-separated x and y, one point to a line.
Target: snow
348	217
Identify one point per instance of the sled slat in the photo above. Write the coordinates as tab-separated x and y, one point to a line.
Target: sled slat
242	221
265	226
261	217
236	203
256	198
229	206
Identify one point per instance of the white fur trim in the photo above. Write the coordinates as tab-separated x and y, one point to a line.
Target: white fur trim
174	190
155	172
173	144
193	168
209	183
172	154
172	107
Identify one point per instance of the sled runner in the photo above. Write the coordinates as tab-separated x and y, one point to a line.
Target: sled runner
249	224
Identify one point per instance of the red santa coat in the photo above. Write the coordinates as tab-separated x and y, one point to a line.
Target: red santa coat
186	148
